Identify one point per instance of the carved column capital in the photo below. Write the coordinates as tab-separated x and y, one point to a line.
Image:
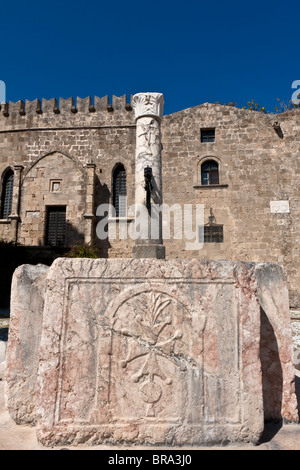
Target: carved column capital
18	167
148	104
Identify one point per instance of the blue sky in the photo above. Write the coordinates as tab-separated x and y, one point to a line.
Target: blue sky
191	51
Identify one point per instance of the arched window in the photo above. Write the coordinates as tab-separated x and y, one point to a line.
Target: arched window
7	194
209	172
119	191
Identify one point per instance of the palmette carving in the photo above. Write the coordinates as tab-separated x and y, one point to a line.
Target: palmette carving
151	321
148	104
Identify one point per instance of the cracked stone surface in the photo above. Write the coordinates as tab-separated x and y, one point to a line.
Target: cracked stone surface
23	437
22	355
152	352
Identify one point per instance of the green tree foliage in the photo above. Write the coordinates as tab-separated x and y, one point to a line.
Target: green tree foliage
82	250
281	107
254	106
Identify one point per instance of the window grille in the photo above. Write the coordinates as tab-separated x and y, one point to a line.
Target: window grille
209	173
120	191
207	135
56	226
213	234
7	194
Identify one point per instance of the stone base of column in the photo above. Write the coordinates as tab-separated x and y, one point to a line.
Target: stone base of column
14	221
148	251
89	227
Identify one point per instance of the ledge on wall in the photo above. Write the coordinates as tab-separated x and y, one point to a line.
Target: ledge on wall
210	186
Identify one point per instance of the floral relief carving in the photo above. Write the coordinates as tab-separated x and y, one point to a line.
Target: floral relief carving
152	319
148	104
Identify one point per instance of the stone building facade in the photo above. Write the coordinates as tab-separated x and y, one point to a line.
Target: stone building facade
60	161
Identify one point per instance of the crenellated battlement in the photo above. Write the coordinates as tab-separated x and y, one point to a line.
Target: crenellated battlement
116	109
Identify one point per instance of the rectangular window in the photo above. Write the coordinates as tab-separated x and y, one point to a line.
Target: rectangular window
207	135
120	191
56	226
213	234
209	173
7	195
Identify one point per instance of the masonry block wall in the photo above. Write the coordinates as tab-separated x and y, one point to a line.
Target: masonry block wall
259	163
55	143
64	153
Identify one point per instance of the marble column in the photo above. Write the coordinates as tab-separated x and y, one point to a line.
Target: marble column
148	108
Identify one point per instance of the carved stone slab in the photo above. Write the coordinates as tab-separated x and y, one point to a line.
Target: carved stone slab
150	352
279	207
22	355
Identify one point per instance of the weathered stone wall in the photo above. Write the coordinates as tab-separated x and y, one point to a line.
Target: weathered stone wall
5	230
295	323
258	164
54	180
55	142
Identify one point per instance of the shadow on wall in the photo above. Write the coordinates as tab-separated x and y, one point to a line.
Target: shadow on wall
12	256
297	386
272	380
102	196
272	377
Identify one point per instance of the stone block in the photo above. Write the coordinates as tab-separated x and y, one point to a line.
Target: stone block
147	351
276	350
22	354
157	352
148	251
295	323
2	350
